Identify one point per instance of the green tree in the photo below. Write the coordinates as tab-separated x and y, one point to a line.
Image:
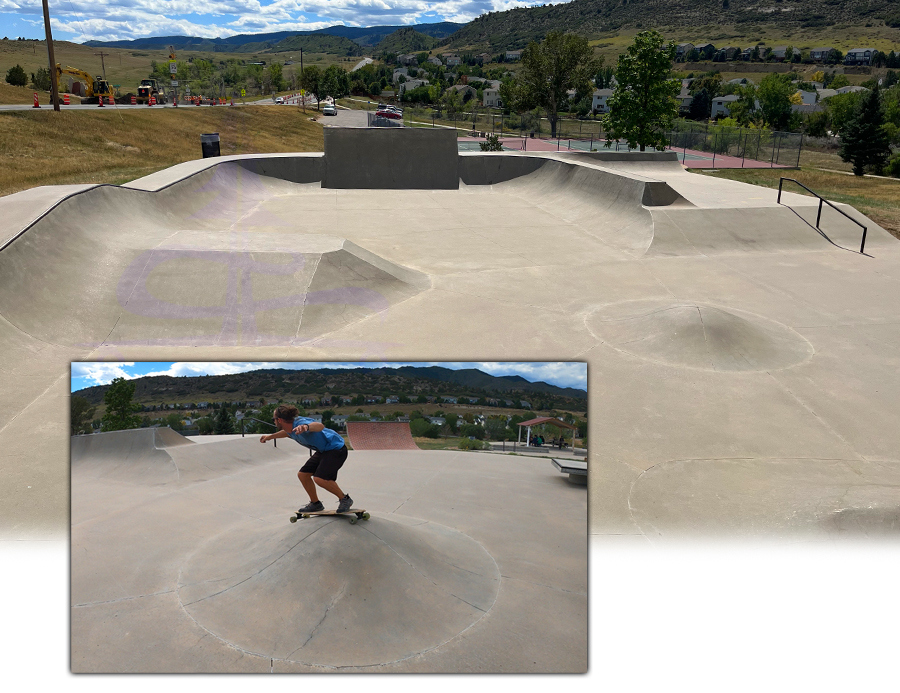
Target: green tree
335	82
16	76
864	141
643	104
41	79
311	81
276	76
423	428
120	410
549	70
701	105
224	423
174	421
774	96
81	413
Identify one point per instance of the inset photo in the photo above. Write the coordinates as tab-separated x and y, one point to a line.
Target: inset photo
312	517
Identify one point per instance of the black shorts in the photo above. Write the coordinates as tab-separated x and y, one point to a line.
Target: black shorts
325	465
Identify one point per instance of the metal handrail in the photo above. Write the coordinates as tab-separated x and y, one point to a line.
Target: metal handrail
862	245
267	423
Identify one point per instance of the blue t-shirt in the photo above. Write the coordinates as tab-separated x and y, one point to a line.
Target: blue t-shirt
319	441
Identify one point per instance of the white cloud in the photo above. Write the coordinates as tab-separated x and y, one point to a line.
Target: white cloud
101	373
129	19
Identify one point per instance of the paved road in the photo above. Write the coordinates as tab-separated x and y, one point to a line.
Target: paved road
362	63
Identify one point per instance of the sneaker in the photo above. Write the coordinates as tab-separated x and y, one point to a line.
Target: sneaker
312	507
345	504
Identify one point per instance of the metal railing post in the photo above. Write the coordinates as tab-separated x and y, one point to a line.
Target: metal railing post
819	215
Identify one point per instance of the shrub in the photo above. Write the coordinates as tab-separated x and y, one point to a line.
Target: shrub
893	166
467	444
16	76
491	144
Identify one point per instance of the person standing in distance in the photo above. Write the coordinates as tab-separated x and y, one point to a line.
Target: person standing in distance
328	455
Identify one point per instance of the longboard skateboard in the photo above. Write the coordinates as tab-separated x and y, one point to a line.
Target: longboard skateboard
354	514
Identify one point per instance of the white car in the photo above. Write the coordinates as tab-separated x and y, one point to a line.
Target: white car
279	100
329	109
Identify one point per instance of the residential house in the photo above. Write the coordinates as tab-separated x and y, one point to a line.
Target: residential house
779	54
465	91
437	420
826	93
339	419
412	84
493	402
524	404
598	103
706	50
684	96
372	399
721	104
851	88
727	54
315	417
491	97
450	400
823	54
859	56
400	71
308	401
452	60
434	60
681	51
393	399
514	55
485	58
408	59
740	81
748	54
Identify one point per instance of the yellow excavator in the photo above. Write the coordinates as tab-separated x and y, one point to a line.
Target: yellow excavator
94	87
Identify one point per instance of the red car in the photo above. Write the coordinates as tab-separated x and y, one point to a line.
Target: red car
389	113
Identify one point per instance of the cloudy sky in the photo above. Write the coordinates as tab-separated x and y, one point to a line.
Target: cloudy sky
109	20
562	374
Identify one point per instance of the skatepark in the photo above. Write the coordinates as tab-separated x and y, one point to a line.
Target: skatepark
742	363
184	560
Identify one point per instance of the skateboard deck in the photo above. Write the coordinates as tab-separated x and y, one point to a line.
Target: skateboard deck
354	514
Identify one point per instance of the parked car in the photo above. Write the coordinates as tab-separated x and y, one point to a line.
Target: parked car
329	109
279	100
391	113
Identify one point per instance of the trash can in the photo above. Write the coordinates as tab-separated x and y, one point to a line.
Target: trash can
210	144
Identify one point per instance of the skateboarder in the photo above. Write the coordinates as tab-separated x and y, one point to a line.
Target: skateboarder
329	453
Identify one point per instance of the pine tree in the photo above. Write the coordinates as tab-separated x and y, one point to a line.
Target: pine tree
864	141
224	423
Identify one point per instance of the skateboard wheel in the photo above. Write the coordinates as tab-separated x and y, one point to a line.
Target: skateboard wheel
306	517
353	520
366	516
293	518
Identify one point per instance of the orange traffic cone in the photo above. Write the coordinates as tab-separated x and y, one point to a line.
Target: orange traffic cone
100	102
36	103
111	102
152	101
65	99
134	101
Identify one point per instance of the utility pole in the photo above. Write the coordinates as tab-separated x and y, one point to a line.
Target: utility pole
54	91
102	63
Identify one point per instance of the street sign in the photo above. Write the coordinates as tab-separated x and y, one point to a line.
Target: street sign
243	92
173	67
174	82
303	92
187	90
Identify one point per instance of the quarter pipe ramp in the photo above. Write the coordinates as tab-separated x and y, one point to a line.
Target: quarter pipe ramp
380	435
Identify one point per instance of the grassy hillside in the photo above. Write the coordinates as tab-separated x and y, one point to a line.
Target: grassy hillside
819	21
127	67
290	385
406	41
116	146
319	43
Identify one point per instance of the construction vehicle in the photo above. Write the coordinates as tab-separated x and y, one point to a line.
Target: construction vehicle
93	87
148	88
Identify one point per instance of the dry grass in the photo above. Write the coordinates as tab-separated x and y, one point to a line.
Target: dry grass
116	146
878	199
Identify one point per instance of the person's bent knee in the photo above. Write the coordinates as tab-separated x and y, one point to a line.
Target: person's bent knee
303	475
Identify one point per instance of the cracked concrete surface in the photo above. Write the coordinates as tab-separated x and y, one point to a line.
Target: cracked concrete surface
435	587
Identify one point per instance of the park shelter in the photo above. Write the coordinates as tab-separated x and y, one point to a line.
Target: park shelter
544	420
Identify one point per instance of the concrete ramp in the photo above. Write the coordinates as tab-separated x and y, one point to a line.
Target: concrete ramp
140	456
380	435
